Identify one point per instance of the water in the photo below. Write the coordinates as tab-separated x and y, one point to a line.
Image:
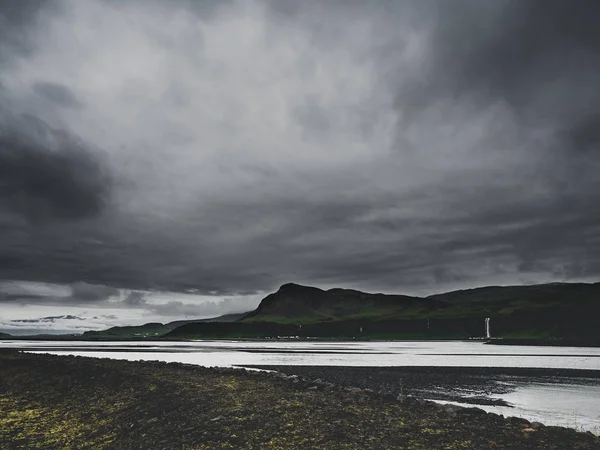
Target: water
568	402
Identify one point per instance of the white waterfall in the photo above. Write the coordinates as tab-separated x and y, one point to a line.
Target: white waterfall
487	328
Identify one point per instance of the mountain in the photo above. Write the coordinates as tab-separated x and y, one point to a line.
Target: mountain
555	310
154	329
303	304
506	300
5	335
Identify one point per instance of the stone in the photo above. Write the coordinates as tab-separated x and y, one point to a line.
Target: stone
472	411
452	409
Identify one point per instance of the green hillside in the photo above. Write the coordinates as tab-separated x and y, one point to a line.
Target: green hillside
507	300
153	329
294	303
548	311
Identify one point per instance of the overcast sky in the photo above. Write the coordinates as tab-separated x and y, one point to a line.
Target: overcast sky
222	148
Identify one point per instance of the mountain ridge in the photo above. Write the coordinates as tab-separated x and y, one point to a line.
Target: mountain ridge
154	329
295	302
561	310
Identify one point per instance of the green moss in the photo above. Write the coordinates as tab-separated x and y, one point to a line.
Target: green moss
34	426
84	403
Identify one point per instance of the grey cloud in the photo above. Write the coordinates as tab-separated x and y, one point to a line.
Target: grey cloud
19	13
15	18
204	309
539	56
56	93
409	147
135	298
84	292
41	182
75	294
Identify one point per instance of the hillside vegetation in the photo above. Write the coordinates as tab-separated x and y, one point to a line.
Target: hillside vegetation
294	303
153	329
557	310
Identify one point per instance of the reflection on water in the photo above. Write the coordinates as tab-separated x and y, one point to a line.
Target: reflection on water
423	353
567	402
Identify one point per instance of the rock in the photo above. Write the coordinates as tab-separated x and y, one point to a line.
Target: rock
313	388
215	419
471	411
537	425
518	421
452	409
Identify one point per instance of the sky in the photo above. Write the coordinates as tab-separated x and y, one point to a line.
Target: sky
168	159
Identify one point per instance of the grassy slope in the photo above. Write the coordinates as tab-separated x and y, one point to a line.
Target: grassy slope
153	329
511	299
302	304
337	304
539	311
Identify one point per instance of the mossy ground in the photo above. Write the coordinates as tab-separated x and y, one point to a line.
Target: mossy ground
50	402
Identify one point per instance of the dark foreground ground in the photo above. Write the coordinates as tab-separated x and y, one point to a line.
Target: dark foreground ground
74	402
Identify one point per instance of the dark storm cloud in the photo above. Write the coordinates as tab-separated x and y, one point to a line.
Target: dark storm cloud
83	292
542	58
15	17
204	309
79	293
391	146
40	182
57	94
135	298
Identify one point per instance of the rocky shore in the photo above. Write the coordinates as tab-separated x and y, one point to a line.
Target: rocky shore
472	385
50	402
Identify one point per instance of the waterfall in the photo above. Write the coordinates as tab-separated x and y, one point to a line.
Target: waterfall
487	328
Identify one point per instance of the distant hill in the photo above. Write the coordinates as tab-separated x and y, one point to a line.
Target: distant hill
506	300
561	310
303	304
4	335
154	329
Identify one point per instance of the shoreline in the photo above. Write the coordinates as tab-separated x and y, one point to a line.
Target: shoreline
542	342
53	401
466	385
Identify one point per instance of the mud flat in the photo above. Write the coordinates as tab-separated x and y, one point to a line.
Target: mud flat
52	402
